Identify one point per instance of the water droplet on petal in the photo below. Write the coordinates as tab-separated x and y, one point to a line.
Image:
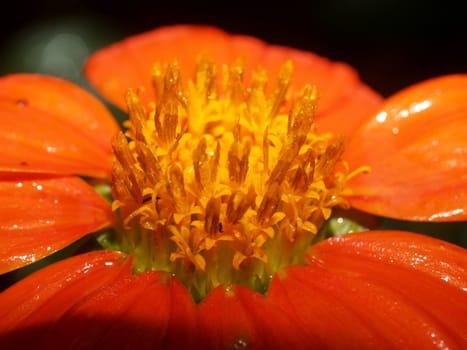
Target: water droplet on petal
22	103
240	344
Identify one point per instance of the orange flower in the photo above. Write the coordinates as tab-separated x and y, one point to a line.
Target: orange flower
219	191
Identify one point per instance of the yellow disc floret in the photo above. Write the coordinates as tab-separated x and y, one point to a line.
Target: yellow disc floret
220	183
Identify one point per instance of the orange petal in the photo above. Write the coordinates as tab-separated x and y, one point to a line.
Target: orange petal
416	146
64	100
128	63
142	311
51	125
33	305
40	215
379	290
237	317
95	300
408	263
424	255
349	112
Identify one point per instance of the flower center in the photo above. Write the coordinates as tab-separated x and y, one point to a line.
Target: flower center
222	183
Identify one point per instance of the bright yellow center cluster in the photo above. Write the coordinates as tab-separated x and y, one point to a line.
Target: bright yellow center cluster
221	183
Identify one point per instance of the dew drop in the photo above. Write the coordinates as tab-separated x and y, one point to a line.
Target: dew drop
22	102
381	117
240	344
404	113
37	186
51	149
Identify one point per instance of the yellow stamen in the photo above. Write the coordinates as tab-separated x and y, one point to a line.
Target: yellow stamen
220	183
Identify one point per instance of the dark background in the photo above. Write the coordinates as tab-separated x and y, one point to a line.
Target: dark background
391	43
